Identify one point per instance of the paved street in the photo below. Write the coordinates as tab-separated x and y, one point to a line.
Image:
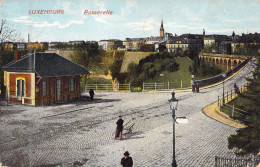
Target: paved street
83	132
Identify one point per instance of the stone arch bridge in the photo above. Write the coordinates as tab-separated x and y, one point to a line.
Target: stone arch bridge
222	59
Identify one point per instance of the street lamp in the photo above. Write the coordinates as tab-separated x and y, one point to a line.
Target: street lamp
173	105
224	76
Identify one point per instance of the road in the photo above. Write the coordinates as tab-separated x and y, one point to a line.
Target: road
82	133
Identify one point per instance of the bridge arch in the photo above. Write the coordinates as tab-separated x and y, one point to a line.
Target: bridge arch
234	62
229	62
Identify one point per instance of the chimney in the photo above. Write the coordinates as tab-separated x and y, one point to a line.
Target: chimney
17	55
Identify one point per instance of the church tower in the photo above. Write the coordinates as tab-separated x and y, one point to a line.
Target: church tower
162	30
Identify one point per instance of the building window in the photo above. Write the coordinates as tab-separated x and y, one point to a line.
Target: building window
44	90
72	81
20	90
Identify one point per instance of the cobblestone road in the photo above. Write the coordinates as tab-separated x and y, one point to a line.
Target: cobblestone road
83	133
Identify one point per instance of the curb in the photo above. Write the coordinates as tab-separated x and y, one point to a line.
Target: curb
213	112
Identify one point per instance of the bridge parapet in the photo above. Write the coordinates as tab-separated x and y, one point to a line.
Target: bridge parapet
219	78
223	58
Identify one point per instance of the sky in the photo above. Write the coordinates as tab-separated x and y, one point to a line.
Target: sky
130	18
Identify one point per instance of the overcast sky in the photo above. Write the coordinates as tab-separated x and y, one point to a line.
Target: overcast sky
130	18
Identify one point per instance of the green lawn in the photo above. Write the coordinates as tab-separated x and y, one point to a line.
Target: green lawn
182	74
239	102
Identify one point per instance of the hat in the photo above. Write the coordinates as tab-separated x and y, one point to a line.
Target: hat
126	153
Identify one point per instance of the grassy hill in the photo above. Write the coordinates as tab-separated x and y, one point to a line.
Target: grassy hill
182	74
135	57
107	60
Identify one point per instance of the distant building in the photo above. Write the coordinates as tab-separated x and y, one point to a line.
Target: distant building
45	45
9	46
91	42
224	47
245	40
168	36
34	46
176	43
21	46
153	40
134	43
41	79
77	42
215	40
52	45
110	44
193	40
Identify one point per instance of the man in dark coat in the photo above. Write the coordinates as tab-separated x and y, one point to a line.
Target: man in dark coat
127	161
91	93
119	128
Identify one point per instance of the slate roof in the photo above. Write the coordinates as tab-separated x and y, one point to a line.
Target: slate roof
248	38
174	40
158	38
46	65
136	39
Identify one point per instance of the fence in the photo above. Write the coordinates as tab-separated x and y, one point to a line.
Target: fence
108	87
236	162
229	95
146	86
232	111
165	85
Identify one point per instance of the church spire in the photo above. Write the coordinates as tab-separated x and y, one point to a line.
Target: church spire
233	34
161	30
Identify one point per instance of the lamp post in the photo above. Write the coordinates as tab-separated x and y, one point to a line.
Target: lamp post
223	75
173	105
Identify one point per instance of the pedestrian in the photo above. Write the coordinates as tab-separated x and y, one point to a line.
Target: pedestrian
236	89
91	93
235	85
127	161
119	128
193	87
197	88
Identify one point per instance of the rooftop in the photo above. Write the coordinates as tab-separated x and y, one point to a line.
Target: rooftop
46	65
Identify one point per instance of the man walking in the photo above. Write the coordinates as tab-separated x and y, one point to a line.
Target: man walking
91	93
119	128
127	161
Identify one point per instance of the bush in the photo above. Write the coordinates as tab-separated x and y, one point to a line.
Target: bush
106	72
150	66
173	66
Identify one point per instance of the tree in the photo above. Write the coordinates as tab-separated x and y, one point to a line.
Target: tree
88	56
247	140
8	33
115	68
151	66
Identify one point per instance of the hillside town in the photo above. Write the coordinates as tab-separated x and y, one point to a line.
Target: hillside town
214	43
